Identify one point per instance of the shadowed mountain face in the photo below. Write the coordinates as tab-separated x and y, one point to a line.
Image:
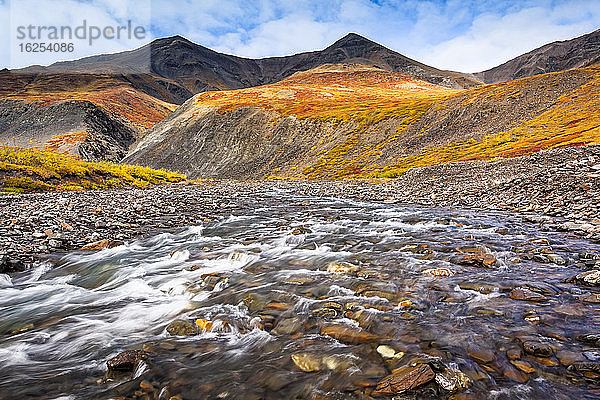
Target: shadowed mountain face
553	57
183	68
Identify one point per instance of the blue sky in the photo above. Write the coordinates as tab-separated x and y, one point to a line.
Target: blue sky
459	35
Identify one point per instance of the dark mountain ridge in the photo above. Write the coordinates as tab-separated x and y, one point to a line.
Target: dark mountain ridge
557	56
184	68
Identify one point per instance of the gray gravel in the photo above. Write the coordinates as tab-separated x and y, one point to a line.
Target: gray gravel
559	189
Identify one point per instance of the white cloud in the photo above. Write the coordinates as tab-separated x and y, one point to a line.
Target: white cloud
97	14
493	39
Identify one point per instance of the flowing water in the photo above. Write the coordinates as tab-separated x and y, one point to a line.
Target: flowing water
261	277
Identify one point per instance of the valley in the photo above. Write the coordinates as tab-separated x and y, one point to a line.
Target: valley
346	223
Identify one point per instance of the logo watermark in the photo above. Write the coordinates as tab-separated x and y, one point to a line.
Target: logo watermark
67	30
84	31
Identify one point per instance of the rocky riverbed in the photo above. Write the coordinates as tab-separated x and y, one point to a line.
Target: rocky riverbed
559	189
274	295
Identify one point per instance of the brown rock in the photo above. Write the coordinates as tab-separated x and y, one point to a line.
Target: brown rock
514	353
538	349
478	259
514	374
404	379
182	328
482	355
348	334
146	386
102	244
569	357
523	366
127	360
526	294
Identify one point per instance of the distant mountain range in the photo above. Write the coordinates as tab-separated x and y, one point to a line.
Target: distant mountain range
184	68
553	57
382	111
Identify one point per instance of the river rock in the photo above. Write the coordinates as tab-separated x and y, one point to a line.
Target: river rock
481	287
569	357
342	268
523	366
478	259
514	374
590	298
310	362
102	244
386	351
329	310
288	326
482	355
592	339
521	293
583	367
202	324
348	334
538	349
452	379
588	278
438	272
182	328
404	379
127	360
307	362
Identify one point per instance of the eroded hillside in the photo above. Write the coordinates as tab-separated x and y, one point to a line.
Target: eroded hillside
353	121
95	117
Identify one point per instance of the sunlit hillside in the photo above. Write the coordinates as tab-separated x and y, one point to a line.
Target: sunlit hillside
354	121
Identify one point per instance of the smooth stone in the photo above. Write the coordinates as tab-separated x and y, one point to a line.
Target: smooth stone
538	349
482	355
288	326
523	366
182	328
404	379
102	244
348	334
514	374
567	358
526	294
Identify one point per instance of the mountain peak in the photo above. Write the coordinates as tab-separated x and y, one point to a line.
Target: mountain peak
352	39
171	39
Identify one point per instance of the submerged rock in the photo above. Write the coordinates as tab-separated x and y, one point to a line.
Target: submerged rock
182	328
590	338
452	379
307	362
514	374
342	268
521	293
538	349
386	351
310	362
588	278
478	259
348	334
127	360
404	379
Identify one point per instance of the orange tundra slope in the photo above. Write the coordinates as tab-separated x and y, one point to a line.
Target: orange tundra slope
136	110
354	121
